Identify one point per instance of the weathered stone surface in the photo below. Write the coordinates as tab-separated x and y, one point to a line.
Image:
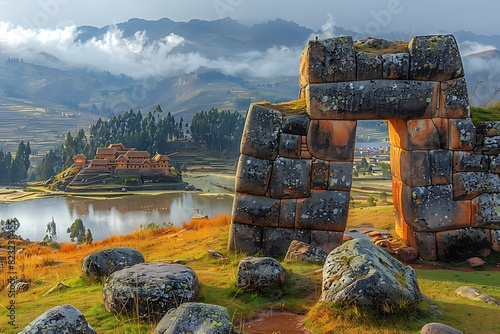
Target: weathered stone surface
290	178
195	318
414	134
252	175
495	164
435	57
468	185
296	124
276	240
64	319
287	213
462	134
486	210
107	261
328	240
466	161
375	99
360	272
474	293
425	242
368	66
328	60
458	245
407	254
260	274
489	129
440	161
438	328
256	210
340	176
299	250
415	167
476	262
332	140
432	208
260	137
149	290
495	240
492	145
289	146
245	238
323	210
320	174
395	66
454	100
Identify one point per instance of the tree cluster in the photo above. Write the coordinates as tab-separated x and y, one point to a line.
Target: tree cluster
15	169
218	130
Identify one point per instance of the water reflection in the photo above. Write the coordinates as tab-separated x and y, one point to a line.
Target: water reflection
109	216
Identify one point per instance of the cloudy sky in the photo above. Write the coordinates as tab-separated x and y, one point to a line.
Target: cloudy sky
406	16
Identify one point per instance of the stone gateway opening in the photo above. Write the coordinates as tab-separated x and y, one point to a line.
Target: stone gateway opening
295	170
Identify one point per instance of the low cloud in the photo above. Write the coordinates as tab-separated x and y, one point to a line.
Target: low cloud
135	56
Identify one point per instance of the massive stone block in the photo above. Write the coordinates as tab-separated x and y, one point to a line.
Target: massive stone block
458	245
261	135
328	240
495	164
245	238
256	210
332	140
495	240
486	211
290	178
375	99
435	57
275	241
290	145
288	209
395	66
323	210
440	161
491	145
442	125
462	134
340	176
469	185
454	100
296	124
328	60
253	174
368	66
432	208
469	162
426	244
415	134
411	167
320	174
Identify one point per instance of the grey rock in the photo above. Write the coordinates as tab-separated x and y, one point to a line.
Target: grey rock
454	99
469	162
461	244
107	261
492	145
256	210
149	290
252	176
289	146
486	211
303	251
462	134
64	319
290	178
495	164
440	163
435	57
260	274
368	66
438	328
380	99
360	272
474	293
296	124
323	210
489	129
340	176
195	318
395	66
467	185
320	174
245	238
260	136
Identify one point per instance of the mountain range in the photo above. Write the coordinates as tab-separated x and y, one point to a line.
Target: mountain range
187	66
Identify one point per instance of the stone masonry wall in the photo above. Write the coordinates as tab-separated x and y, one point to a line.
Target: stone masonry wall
294	174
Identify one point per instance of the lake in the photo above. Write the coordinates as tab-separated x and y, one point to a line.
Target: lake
110	216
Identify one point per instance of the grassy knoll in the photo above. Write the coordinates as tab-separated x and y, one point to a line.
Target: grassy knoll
45	267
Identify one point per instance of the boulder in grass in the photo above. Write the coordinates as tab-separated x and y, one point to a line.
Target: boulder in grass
63	319
438	328
360	272
260	274
195	318
106	262
149	290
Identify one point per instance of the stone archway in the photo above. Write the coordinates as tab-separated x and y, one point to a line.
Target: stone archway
295	170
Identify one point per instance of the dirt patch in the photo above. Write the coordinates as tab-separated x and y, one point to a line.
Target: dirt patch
276	322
